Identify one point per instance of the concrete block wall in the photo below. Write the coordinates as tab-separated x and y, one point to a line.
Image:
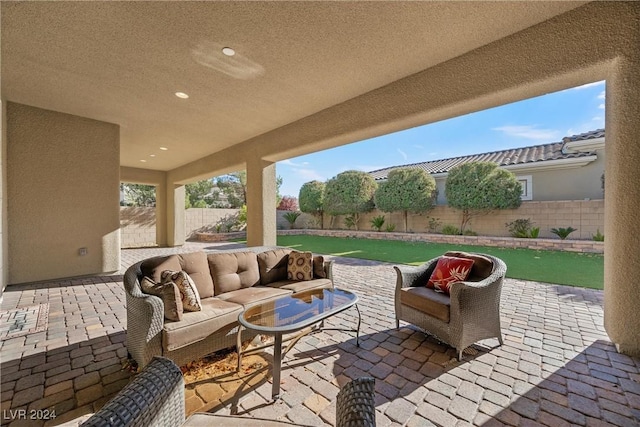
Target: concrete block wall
138	224
585	215
137	227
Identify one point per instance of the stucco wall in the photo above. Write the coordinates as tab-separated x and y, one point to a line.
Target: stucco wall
63	192
3	200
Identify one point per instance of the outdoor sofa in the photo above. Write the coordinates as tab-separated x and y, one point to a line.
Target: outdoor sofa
470	313
227	282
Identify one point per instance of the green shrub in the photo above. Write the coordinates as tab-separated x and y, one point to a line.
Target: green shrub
450	230
598	237
563	233
519	227
291	217
390	228
434	225
534	233
469	233
377	222
351	221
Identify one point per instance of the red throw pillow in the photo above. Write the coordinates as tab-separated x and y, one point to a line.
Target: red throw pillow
448	270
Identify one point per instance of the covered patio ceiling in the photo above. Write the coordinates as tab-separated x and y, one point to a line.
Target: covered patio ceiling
123	62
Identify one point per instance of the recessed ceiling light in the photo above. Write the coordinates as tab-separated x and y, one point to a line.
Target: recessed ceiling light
182	95
143	161
152	155
228	51
164	148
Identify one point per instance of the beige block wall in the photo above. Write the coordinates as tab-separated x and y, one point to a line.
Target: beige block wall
137	227
138	224
585	215
62	194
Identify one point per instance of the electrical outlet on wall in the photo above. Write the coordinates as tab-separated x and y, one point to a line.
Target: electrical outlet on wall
83	251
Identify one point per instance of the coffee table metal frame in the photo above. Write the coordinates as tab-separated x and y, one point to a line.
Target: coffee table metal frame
312	324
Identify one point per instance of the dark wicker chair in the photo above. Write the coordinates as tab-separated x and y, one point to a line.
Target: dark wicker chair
472	311
355	406
154	398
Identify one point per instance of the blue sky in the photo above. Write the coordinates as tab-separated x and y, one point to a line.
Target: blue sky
534	121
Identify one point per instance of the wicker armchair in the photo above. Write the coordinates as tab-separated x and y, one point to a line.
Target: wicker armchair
154	398
471	312
355	406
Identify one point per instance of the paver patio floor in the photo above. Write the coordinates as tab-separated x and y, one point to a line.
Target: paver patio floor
556	368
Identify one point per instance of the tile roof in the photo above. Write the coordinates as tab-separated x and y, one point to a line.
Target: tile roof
513	156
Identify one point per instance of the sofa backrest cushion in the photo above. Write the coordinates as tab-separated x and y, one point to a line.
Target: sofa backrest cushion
482	266
153	267
273	265
233	270
197	267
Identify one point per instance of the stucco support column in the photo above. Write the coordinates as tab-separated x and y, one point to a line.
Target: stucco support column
175	214
161	215
622	206
261	202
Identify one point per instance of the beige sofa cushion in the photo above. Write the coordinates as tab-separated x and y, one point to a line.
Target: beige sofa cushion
197	267
234	270
428	301
253	295
195	326
153	267
305	285
273	265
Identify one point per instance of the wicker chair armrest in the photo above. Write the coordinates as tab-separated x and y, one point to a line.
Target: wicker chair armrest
154	397
328	269
472	299
355	404
408	275
145	319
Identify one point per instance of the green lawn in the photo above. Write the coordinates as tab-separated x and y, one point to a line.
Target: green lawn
566	268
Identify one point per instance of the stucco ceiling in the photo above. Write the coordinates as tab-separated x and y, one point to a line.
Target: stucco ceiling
122	62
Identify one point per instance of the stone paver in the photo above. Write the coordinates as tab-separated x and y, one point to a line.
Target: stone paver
557	366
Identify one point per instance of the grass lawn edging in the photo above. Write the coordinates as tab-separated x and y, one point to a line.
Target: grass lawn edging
584	246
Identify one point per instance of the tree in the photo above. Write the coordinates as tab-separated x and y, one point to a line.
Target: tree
198	194
478	188
406	190
139	194
288	203
234	185
311	199
350	193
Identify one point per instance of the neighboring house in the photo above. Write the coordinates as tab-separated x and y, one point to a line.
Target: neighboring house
572	169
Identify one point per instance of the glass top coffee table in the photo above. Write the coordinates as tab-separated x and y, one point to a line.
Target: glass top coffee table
293	313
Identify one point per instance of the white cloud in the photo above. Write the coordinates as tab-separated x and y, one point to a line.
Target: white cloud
602	94
530	132
308	174
588	85
403	154
601	106
597	118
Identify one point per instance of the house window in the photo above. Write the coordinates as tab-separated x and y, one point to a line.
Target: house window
527	188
